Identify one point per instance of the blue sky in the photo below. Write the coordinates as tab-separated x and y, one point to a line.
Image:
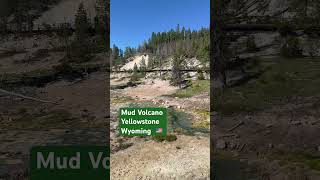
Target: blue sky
133	21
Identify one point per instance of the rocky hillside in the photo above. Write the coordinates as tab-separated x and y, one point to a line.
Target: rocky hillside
65	11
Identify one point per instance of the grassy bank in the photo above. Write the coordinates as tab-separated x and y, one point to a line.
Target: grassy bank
283	80
196	87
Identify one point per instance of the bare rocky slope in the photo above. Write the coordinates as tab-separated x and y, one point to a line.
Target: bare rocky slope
65	12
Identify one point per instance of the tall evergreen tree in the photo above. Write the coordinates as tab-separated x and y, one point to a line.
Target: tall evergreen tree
135	74
102	17
143	66
80	47
81	23
20	14
115	52
4	14
177	61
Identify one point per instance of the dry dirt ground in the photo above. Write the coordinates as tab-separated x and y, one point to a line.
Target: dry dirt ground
275	133
143	158
151	89
79	118
278	143
185	158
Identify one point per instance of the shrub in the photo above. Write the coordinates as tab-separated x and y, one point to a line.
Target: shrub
67	71
251	44
312	48
291	48
169	138
200	76
284	28
135	74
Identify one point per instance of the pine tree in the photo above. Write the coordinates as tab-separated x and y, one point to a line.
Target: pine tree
291	48
81	23
80	48
135	68
102	17
300	7
4	14
151	63
143	66
101	25
20	12
176	78
128	52
251	44
203	51
200	75
115	52
135	74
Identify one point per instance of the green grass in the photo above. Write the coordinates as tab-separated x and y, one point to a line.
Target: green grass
204	123
40	77
55	118
121	100
281	81
197	87
204	113
298	159
169	138
225	162
142	105
35	78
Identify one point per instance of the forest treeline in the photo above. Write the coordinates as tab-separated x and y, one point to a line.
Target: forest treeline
189	43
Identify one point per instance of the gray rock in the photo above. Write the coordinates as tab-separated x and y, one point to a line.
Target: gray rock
270	146
221	144
233	145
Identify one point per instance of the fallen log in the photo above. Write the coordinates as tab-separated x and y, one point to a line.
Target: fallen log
26	97
236	126
250	27
227	135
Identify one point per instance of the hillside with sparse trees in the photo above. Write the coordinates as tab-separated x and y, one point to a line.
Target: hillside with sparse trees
52	77
162	45
265	89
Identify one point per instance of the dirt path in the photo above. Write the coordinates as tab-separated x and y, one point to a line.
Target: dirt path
293	126
291	129
80	96
151	89
186	158
79	119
